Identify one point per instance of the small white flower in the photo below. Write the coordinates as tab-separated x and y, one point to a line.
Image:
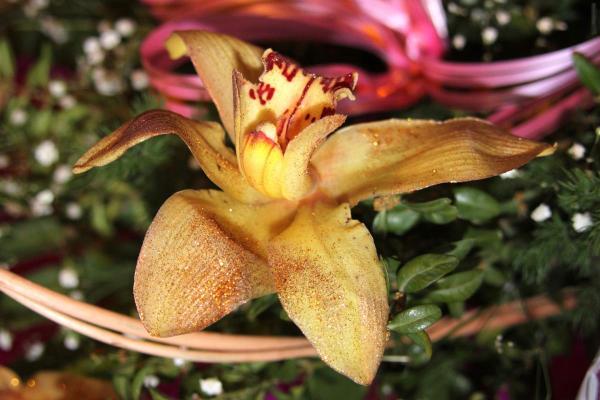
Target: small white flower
545	25
41	203
4	161
46	153
576	151
68	278
73	211
581	222
62	174
6	340
108	84
125	26
95	58
110	39
103	26
54	29
178	362
503	17
459	41
67	102
57	88
34	351
91	45
454	8
139	79
151	381
211	386
71	342
512	174
18	117
489	35
541	213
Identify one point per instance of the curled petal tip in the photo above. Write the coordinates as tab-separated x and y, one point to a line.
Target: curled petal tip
548	151
175	46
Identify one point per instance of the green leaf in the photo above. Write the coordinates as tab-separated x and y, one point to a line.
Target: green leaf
121	385
415	319
424	270
430	206
39	74
456	287
156	395
589	74
475	205
138	381
7	61
493	276
462	247
398	220
422	340
457	308
440	211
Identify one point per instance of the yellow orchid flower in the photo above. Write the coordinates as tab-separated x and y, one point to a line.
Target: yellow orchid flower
282	221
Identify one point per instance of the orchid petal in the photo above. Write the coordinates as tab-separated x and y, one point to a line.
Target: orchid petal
206	141
398	156
296	179
203	255
286	96
331	284
215	56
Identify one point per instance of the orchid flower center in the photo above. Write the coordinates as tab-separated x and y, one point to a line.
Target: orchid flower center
273	112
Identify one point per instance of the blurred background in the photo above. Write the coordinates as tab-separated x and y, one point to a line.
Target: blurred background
71	72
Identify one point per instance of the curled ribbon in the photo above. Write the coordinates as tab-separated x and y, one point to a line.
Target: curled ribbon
529	95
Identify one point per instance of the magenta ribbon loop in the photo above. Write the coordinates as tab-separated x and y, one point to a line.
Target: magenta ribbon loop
408	35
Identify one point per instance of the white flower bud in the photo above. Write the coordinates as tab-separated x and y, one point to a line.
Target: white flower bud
576	151
211	386
125	26
68	278
110	39
46	153
489	35
139	79
18	117
545	25
57	88
581	222
459	41
34	351
73	211
541	213
62	174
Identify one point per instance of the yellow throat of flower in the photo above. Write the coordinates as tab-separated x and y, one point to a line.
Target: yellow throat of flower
273	115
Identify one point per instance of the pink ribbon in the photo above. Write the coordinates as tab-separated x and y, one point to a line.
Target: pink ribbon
408	35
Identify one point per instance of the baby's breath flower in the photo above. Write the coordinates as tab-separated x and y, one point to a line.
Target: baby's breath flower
34	351
576	151
503	17
62	174
545	25
68	278
125	27
73	211
139	79
18	117
67	102
211	386
6	340
581	222
541	213
489	35
110	39
459	41
46	153
57	88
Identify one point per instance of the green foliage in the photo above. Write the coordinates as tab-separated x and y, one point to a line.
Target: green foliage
481	232
588	72
475	205
456	287
415	319
424	270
